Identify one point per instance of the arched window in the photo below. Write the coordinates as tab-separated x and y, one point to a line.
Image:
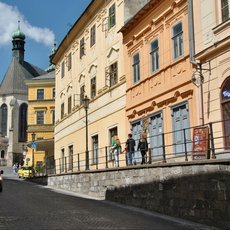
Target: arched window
2	154
4	119
225	101
22	135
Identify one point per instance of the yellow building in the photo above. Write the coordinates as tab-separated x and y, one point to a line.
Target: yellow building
160	93
89	63
41	119
211	42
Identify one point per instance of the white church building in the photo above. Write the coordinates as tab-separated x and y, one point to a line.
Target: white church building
13	103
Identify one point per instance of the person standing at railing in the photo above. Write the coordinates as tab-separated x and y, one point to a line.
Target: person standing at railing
130	144
143	147
116	145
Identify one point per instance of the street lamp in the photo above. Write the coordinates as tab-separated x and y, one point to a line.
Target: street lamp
33	139
86	107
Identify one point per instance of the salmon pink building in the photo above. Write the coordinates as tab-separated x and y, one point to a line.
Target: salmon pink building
161	98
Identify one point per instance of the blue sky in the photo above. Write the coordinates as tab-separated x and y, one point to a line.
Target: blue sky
42	21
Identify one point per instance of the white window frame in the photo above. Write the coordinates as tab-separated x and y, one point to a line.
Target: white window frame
62	110
112	16
69	61
62	69
113	74
225	7
43	94
93	87
95	149
154	56
43	113
70	149
82	47
53	116
69	104
136	67
177	41
93	35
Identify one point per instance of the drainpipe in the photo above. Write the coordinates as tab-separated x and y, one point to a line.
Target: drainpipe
191	32
199	81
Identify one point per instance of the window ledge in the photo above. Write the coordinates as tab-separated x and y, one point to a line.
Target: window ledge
221	27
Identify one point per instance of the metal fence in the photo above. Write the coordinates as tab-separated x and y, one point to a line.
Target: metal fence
209	141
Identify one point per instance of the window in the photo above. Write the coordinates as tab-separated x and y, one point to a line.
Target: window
113	74
62	110
92	35
71	157
82	93
2	154
69	104
40	117
154	53
22	135
225	102
177	40
82	47
53	93
40	94
136	68
95	149
225	10
112	16
3	117
53	116
93	87
112	132
62	69
69	61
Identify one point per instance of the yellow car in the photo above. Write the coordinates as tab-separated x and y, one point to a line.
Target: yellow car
26	172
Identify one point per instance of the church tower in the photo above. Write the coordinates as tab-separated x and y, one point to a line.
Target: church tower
18	44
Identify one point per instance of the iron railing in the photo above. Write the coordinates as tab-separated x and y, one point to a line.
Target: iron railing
209	141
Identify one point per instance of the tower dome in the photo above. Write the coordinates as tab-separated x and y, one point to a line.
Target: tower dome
18	34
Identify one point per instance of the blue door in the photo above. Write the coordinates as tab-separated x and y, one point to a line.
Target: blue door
156	130
136	131
181	121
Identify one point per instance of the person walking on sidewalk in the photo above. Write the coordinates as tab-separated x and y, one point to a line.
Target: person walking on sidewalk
143	147
130	144
116	145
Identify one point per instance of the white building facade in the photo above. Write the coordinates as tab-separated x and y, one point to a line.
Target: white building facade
89	63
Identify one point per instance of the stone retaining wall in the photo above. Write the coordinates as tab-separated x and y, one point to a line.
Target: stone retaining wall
199	192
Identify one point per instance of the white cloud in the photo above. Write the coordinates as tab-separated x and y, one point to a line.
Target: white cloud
9	17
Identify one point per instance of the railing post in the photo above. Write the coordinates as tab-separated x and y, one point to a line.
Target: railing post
65	165
72	163
97	159
212	141
150	155
185	145
106	156
55	171
78	161
118	159
163	143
